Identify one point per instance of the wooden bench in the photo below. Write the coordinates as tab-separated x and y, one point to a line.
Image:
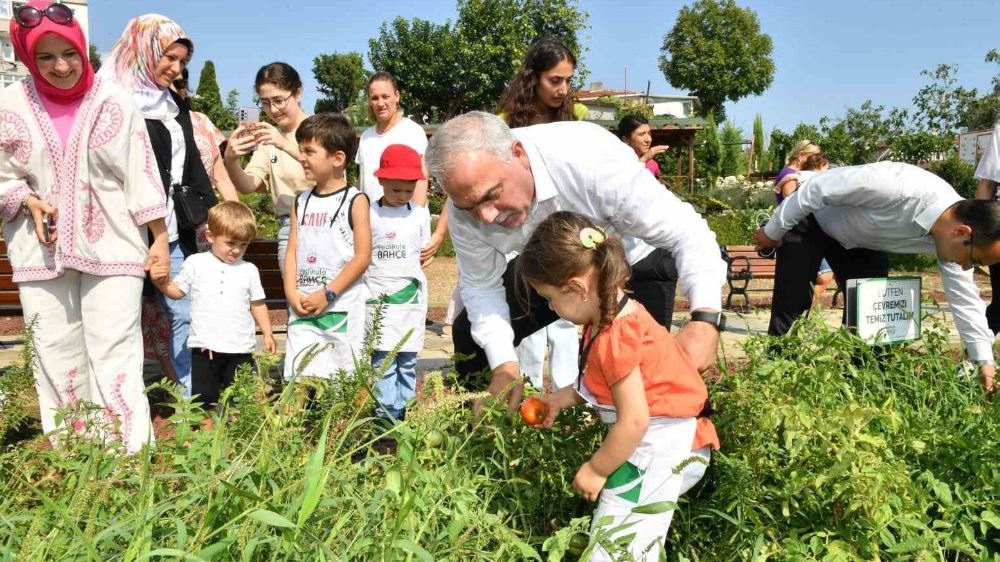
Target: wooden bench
744	265
262	253
10	301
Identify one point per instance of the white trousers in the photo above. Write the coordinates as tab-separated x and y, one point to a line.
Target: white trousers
89	347
647	478
564	348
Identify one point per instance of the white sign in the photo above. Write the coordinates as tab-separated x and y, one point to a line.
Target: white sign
884	309
972	144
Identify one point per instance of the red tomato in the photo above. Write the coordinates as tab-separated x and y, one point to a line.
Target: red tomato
533	411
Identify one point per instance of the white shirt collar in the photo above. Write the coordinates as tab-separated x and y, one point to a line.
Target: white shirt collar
934	210
545	188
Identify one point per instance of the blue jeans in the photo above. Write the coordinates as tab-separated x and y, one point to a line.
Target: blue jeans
179	313
398	385
286	225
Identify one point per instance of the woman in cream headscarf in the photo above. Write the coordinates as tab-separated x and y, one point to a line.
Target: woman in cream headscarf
153	52
75	158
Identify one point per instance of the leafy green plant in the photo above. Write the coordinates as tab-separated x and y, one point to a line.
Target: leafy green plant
832	450
836	450
17	386
263	210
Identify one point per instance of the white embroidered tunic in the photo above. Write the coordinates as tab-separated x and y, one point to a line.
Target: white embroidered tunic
104	184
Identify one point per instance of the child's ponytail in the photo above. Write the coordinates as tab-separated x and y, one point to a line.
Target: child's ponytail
613	272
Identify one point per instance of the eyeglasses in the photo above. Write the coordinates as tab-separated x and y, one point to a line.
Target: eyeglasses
972	261
275	103
29	16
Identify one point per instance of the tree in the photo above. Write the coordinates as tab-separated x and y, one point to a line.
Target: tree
711	156
983	112
446	69
341	77
760	155
717	51
95	57
232	106
209	101
778	148
805	131
940	105
734	160
423	56
862	135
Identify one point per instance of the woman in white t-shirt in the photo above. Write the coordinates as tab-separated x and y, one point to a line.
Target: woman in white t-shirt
392	127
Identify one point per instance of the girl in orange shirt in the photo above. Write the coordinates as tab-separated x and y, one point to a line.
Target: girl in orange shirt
635	375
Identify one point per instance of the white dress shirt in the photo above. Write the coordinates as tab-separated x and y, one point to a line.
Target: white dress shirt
582	167
890	206
989	164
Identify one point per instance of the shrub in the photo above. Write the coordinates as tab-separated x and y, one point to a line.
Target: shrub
835	450
912	262
735	228
957	173
263	210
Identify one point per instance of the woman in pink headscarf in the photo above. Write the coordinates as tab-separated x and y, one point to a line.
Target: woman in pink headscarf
79	190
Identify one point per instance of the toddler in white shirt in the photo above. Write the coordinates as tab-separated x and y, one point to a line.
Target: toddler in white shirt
226	299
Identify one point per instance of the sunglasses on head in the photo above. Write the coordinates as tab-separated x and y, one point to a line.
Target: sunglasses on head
29	16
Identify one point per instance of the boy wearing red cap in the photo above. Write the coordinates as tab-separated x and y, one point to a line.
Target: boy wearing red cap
400	228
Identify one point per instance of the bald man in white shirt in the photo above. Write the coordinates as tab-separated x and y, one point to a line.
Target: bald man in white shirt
855	214
502	183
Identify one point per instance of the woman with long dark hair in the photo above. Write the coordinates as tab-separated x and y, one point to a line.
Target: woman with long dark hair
538	94
540	91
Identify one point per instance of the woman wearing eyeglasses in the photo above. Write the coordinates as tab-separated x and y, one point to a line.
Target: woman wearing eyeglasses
274	166
78	194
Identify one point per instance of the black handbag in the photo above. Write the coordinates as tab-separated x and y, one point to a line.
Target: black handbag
190	206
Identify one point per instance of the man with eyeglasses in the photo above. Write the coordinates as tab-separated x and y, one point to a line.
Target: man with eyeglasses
855	214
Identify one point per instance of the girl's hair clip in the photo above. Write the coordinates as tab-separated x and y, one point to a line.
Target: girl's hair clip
591	237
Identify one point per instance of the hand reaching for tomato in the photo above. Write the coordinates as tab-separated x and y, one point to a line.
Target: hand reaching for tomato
588	483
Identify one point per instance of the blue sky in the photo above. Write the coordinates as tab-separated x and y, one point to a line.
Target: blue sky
829	55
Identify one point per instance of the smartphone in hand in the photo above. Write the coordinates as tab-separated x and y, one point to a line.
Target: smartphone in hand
248	116
45	229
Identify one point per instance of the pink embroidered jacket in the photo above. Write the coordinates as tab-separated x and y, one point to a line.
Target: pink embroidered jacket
105	184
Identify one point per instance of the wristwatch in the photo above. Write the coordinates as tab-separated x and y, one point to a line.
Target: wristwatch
330	295
981	362
714	318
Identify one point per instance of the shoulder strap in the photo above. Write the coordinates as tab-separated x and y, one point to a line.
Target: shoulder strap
350	215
